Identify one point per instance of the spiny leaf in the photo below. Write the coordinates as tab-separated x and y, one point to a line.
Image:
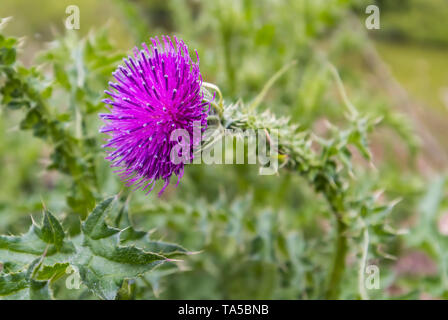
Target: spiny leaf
95	226
141	239
131	236
52	231
12	283
52	272
19	251
102	262
164	248
104	256
21	285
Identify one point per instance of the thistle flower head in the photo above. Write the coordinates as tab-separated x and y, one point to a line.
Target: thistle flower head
157	91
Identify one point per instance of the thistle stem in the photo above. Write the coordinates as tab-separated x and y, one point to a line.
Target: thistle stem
338	267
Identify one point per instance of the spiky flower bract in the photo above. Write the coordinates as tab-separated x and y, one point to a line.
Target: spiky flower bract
157	91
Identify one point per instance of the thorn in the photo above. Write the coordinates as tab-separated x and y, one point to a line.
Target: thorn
393	203
351	174
378	194
328	124
43	204
173	260
194	252
32	220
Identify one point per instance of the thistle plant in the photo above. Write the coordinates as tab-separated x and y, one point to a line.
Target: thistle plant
104	256
328	171
158	90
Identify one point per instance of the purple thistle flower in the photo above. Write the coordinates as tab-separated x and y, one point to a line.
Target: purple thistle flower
157	91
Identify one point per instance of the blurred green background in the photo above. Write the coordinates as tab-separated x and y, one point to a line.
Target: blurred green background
260	237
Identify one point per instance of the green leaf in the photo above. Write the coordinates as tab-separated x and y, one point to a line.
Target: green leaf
52	231
13	283
103	255
39	290
22	286
32	118
52	272
95	226
142	239
19	251
102	262
160	247
7	56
